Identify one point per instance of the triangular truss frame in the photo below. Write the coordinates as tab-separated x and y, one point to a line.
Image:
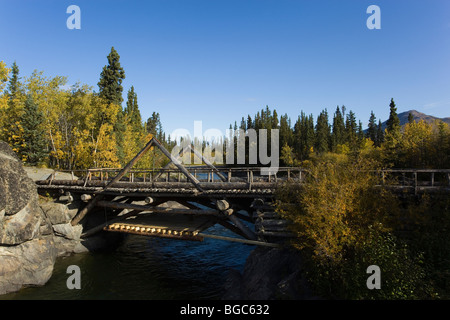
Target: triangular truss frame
173	160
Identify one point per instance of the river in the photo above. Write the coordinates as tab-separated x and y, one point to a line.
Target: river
147	268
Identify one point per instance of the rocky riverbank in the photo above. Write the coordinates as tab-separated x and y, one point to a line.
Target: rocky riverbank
269	274
27	250
33	232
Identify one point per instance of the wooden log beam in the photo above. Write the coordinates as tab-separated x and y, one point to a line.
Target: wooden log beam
86	197
149	200
285	234
209	164
246	241
138	207
100	227
222	204
178	164
247	232
66	198
167	166
231	227
174	184
98	196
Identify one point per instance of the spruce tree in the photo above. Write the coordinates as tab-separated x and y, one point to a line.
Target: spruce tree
250	124
372	128
392	138
11	115
380	134
111	78
286	133
393	123
274	121
132	110
154	126
243	125
322	137
35	145
360	132
350	128
338	132
13	85
110	89
410	118
304	136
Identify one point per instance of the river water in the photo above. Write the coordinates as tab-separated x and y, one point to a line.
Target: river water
144	268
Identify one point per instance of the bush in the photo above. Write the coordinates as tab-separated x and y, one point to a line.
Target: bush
345	223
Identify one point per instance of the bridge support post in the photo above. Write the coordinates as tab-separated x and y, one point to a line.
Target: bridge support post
225	207
249	234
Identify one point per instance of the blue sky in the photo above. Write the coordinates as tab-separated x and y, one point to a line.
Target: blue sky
218	60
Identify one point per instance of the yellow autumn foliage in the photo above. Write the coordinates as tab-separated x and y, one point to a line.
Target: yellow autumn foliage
336	206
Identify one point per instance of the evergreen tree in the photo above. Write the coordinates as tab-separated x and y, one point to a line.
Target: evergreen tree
350	129
393	123
380	134
13	85
132	110
250	124
360	132
304	136
410	118
110	89
154	126
111	78
286	133
338	132
34	148
322	136
392	139
372	128
258	122
243	125
274	120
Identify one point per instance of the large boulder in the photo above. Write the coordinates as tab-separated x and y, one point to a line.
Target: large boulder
27	264
27	250
269	273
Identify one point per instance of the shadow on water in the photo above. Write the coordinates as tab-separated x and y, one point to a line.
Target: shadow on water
146	268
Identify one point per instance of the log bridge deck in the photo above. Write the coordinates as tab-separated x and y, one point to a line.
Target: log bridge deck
235	198
136	200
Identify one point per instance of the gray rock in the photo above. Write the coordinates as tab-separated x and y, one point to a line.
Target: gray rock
67	247
59	213
27	255
22	226
269	273
16	188
28	264
66	230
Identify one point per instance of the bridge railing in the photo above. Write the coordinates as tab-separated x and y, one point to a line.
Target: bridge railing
415	179
201	173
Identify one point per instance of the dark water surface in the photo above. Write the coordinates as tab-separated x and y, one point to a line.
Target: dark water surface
147	268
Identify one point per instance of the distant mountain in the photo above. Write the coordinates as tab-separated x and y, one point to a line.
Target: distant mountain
417	117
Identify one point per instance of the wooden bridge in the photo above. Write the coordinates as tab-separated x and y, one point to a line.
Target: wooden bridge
240	199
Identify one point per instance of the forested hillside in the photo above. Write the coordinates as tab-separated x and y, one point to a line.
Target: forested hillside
48	123
420	142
